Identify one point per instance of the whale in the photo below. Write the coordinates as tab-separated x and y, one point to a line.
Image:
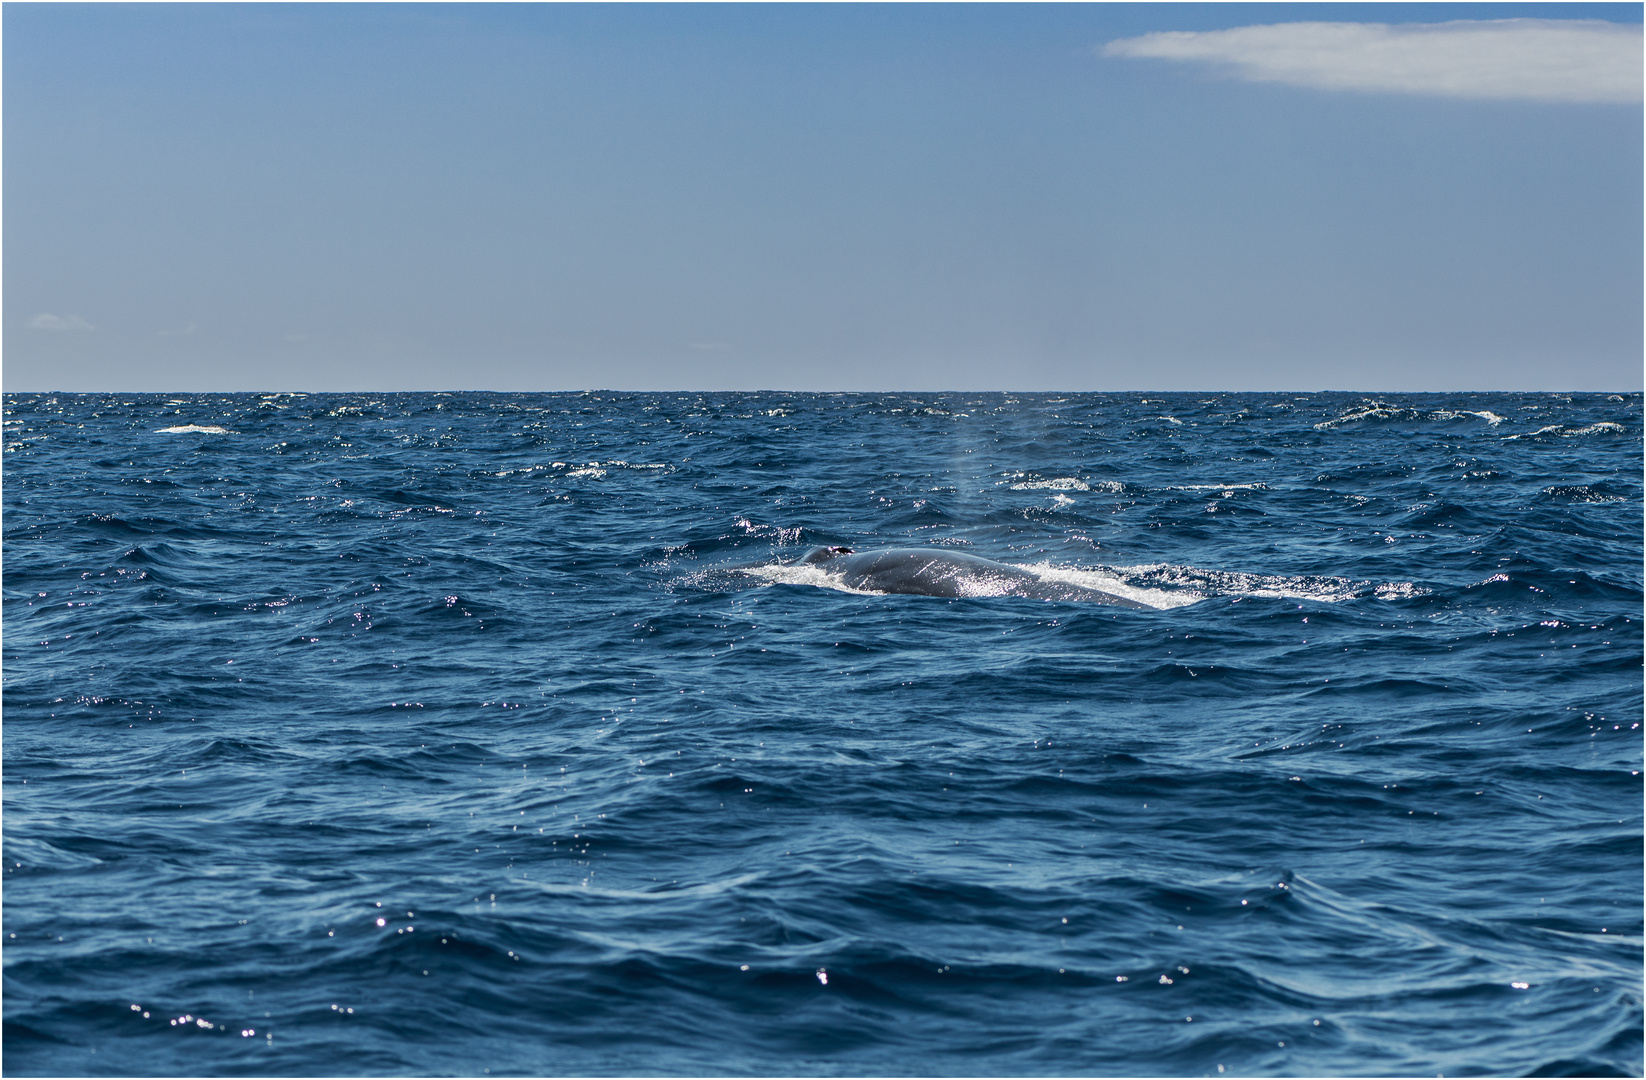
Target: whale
941	572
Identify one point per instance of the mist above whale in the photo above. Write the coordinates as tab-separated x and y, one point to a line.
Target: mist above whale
940	572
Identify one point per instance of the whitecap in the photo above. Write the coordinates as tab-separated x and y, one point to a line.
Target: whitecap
784	536
1376	410
1258	486
1581	493
1061	483
199	429
1602	428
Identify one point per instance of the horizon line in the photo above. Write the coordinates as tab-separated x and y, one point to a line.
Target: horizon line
769	390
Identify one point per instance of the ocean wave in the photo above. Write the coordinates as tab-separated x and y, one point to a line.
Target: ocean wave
628	800
1584	493
1565	431
1384	412
597	470
1061	483
1216	487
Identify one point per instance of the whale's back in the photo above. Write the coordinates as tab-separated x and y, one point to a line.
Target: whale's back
928	572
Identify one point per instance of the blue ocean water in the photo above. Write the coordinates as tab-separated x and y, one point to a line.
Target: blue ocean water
487	733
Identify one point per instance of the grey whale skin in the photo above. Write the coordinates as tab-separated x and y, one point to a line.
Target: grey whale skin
934	572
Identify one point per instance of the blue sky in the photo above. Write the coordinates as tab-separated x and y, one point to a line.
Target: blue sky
539	197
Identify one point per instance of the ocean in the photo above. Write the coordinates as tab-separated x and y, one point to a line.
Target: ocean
497	734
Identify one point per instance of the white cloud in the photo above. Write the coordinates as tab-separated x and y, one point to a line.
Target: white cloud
1529	59
45	321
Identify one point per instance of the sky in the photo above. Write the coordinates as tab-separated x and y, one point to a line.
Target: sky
203	197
